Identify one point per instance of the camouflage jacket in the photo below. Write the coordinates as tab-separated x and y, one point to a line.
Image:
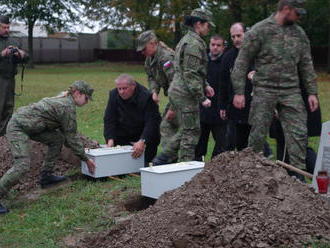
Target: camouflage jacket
160	69
281	55
190	65
50	114
8	64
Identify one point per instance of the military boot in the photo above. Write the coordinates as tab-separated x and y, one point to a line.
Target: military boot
161	159
48	180
3	209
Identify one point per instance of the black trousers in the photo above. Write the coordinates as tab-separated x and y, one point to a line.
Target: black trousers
151	146
237	135
218	132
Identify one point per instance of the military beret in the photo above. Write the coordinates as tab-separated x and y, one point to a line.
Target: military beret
144	38
4	19
204	15
298	5
83	87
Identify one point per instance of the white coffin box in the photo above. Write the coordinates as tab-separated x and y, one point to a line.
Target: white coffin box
158	179
112	161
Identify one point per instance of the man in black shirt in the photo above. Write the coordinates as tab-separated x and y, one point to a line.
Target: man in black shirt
132	117
209	117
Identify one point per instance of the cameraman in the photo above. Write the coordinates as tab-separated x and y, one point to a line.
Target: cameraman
10	56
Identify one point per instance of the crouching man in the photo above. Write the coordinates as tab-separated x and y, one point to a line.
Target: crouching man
132	118
51	121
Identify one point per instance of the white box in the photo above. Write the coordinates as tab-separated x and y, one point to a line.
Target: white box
112	161
158	179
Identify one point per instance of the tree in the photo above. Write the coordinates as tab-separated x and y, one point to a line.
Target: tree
54	14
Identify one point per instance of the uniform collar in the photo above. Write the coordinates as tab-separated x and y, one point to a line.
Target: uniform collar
191	32
153	59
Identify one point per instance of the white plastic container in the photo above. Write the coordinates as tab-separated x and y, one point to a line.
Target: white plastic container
112	161
158	179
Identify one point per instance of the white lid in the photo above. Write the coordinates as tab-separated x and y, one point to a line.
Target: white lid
108	150
190	165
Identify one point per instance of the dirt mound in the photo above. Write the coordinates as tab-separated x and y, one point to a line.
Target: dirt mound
238	200
66	162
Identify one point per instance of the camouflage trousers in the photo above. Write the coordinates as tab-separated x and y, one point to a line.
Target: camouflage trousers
167	130
7	102
20	150
293	117
184	141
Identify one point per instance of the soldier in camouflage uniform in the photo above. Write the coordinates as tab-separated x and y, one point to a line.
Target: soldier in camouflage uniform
188	88
10	56
160	70
281	51
51	121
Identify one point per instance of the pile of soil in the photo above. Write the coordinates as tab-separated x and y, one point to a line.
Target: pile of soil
66	162
238	200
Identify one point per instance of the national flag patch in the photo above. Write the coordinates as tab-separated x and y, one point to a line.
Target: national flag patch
167	64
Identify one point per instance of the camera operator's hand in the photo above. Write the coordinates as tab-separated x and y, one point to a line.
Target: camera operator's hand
5	52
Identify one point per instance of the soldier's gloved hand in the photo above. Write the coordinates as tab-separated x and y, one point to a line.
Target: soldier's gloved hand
170	115
138	148
155	97
91	166
209	91
206	103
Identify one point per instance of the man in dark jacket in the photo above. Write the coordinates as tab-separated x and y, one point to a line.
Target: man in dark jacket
238	129
132	117
209	117
10	57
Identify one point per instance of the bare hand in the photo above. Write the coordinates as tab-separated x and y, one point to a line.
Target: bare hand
155	97
170	115
207	103
251	74
110	143
91	166
239	101
138	149
223	114
313	102
209	91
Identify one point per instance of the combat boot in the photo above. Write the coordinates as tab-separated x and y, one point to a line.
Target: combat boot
3	209
48	180
161	159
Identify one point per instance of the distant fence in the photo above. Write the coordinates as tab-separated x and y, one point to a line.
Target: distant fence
119	55
57	50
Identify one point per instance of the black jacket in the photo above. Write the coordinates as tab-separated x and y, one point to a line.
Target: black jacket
136	117
226	89
211	115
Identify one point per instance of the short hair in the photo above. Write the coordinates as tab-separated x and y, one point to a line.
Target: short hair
240	24
217	37
282	3
191	20
125	77
4	19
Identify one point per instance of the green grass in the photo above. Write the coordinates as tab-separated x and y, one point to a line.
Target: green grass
82	206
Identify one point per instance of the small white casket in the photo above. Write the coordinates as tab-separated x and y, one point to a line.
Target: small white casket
112	161
158	179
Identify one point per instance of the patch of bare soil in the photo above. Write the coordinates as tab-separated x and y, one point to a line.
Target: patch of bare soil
238	200
30	180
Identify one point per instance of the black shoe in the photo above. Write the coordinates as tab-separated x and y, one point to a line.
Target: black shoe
3	210
50	180
161	159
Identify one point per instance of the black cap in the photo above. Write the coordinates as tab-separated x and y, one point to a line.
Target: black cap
4	19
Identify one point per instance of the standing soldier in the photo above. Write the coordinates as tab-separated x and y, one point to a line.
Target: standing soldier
281	51
51	121
10	56
160	70
188	88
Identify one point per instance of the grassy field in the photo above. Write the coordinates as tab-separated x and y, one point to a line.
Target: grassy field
47	218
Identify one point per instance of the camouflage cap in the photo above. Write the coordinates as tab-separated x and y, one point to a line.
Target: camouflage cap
4	19
144	38
204	15
298	5
83	87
